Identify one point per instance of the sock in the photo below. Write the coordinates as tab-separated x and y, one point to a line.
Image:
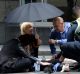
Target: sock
57	66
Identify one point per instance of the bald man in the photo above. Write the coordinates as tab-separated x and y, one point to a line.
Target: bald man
71	49
58	34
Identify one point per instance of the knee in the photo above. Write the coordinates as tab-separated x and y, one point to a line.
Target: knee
28	61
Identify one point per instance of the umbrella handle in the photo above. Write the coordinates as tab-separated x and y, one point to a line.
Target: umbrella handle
35	31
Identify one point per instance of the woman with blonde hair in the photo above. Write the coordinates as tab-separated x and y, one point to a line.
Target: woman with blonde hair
14	59
29	41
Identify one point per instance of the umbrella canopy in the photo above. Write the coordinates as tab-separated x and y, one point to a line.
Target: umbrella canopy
33	12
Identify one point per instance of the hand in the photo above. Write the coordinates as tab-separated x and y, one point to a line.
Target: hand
39	41
52	41
36	36
65	68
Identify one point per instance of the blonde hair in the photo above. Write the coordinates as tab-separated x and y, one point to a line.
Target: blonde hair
24	26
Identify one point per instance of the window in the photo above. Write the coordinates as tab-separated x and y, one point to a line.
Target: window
22	2
26	1
29	1
45	1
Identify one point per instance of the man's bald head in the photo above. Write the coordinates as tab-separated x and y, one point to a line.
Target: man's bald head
58	23
57	19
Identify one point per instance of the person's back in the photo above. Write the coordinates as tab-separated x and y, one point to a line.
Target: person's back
11	49
71	49
11	58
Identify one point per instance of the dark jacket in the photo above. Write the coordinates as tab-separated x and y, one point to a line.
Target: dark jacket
11	50
29	40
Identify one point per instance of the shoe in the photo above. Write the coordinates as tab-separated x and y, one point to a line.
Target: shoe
76	67
48	69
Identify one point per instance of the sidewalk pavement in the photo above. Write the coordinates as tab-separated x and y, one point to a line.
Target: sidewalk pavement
43	48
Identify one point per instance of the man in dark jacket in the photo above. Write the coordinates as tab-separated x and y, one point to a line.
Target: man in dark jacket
14	59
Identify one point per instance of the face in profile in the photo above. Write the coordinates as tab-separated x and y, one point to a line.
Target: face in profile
29	29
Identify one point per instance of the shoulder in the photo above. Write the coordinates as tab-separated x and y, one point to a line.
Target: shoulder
67	24
53	31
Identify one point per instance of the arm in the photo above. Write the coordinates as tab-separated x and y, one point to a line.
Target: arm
25	55
52	42
52	38
58	41
38	39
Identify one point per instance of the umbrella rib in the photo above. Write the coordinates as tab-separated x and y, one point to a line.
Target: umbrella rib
37	11
21	13
21	16
29	6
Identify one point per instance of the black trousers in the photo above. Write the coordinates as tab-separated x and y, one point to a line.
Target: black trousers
17	65
71	50
35	53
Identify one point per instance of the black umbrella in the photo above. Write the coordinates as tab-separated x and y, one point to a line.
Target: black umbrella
33	12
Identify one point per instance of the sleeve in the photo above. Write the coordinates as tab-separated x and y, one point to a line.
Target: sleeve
52	35
23	52
70	34
52	47
62	41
